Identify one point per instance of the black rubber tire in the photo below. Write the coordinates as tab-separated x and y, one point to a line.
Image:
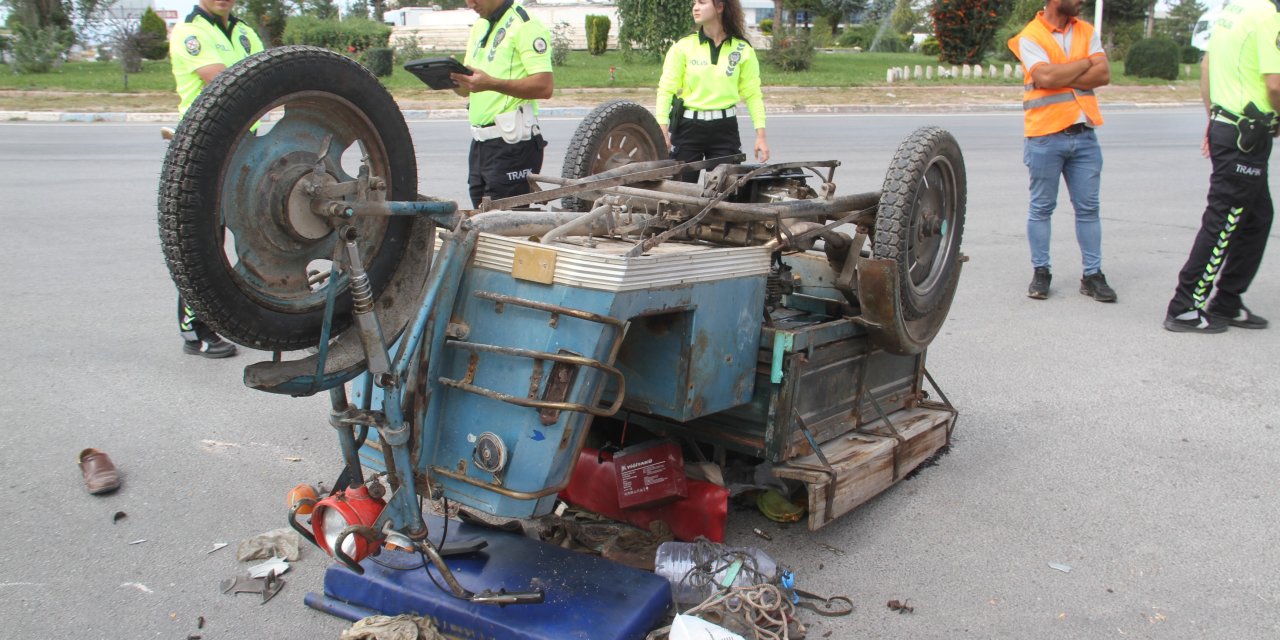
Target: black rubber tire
911	207
633	133
191	218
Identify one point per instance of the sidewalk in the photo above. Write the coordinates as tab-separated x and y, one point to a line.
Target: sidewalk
420	105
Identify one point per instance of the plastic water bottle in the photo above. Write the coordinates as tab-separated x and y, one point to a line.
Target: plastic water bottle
715	564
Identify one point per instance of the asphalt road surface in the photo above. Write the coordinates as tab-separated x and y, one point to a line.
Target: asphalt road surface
1088	436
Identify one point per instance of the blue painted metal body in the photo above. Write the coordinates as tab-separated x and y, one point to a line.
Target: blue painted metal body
702	359
692	352
586	597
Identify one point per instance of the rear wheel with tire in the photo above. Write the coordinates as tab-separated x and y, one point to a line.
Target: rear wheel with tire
239	236
614	134
920	220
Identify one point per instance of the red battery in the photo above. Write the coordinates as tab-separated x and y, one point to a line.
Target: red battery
650	474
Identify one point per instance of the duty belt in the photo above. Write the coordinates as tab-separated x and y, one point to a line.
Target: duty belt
1222	115
485	133
713	114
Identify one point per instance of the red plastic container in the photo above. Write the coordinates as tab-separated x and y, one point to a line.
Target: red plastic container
703	513
650	474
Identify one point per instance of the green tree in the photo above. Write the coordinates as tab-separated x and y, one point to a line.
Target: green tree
1024	11
649	27
269	18
843	10
1182	19
966	28
597	34
811	8
152	35
42	31
322	9
357	9
37	49
904	17
878	11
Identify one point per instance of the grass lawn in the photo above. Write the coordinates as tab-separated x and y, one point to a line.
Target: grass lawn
839	69
92	77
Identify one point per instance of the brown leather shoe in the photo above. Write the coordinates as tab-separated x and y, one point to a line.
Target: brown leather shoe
100	475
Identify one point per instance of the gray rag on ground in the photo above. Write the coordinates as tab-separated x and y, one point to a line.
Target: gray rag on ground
402	627
281	543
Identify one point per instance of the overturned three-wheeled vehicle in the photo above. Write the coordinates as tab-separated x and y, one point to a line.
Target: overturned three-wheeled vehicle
466	353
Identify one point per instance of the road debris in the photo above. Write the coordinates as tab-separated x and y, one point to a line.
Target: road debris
762	534
139	541
215	446
267	586
216	546
401	627
900	607
277	542
119	515
1060	567
138	585
275	565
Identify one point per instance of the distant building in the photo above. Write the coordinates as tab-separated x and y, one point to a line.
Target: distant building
753	11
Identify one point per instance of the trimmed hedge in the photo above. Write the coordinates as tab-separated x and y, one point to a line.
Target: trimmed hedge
766	26
378	59
597	34
863	35
154	36
930	47
353	35
1153	58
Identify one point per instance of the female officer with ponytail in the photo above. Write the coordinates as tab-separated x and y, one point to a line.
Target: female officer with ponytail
705	75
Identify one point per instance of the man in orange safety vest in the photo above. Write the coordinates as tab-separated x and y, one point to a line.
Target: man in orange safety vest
1063	63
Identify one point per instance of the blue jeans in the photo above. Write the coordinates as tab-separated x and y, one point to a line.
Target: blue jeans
1077	159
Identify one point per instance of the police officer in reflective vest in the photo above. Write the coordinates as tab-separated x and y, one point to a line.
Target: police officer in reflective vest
1240	84
1064	62
704	77
509	53
209	40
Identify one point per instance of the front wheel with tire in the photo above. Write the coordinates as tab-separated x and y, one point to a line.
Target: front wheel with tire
242	242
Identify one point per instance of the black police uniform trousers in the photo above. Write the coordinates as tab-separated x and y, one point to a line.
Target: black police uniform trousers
498	169
190	327
696	140
1233	232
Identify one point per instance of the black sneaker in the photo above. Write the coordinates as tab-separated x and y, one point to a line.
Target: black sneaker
1200	323
1039	288
1096	287
214	347
1245	319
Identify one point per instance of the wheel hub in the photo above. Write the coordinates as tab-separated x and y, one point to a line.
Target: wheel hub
302	219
